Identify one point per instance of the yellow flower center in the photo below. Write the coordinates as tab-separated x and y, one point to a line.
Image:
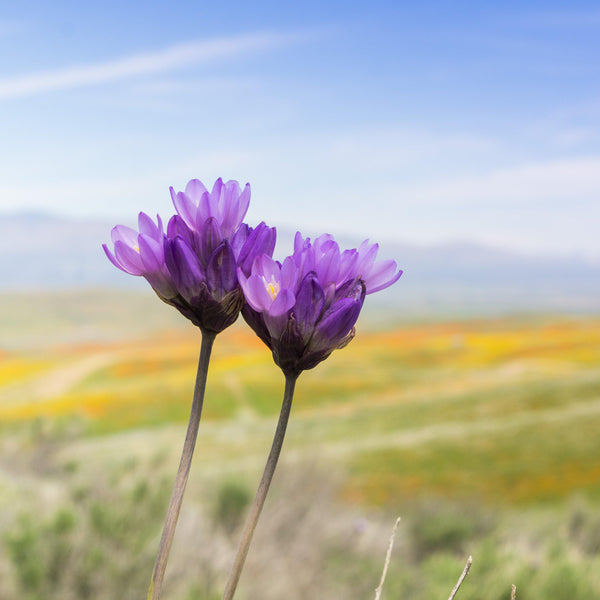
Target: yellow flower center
273	289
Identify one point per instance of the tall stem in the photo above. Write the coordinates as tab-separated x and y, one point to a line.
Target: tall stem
261	493
184	469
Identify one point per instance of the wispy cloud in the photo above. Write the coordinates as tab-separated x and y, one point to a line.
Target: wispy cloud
566	182
167	59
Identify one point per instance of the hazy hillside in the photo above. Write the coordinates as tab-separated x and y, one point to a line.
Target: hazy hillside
41	251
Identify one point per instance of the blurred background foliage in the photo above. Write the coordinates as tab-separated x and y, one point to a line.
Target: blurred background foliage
482	434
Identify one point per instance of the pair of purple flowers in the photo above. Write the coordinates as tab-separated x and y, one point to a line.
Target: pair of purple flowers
210	266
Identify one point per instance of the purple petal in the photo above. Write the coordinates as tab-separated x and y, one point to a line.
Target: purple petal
151	253
329	265
221	271
347	268
310	300
184	267
261	240
194	190
215	200
382	276
239	238
147	227
112	258
243	203
129	258
124	234
367	256
161	284
185	208
256	293
177	227
289	274
210	239
268	268
336	324
228	207
234	206
257	323
353	288
284	300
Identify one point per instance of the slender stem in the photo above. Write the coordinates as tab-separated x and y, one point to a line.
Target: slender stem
388	556
461	578
261	493
184	469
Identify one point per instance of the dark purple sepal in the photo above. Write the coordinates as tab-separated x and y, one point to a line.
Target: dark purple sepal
257	323
184	267
335	324
311	359
221	275
210	240
289	348
207	313
310	300
161	285
353	288
177	227
239	238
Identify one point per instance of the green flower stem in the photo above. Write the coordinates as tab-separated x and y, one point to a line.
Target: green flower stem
261	493
168	533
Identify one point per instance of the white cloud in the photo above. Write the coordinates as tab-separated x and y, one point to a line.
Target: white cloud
570	180
173	57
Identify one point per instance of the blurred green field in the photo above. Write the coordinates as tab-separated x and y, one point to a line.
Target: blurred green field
449	422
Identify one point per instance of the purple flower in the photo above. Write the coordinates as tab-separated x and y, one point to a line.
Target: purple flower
194	265
306	307
227	204
142	254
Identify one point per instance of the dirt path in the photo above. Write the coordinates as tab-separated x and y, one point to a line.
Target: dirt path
453	430
57	381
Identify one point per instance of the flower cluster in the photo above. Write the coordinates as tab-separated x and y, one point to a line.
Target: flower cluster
306	307
193	266
210	266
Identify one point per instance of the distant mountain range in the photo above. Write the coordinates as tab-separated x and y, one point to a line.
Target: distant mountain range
46	252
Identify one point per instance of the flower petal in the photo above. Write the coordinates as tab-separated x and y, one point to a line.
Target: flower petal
129	258
256	293
184	267
284	300
112	258
185	208
124	234
194	190
210	239
221	274
335	324
382	275
260	240
147	227
310	301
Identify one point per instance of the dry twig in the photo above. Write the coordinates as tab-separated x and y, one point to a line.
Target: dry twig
387	559
461	578
513	592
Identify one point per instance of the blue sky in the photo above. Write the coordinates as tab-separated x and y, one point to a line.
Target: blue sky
420	122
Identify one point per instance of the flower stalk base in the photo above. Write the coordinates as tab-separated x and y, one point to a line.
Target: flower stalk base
183	472
263	488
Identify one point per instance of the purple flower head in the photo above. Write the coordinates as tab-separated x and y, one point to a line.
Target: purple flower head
194	266
306	307
142	254
226	204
